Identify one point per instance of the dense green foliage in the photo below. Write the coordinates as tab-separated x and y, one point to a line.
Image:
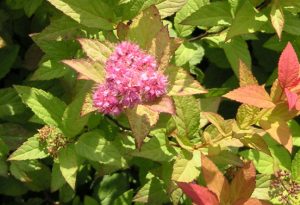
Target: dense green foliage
56	148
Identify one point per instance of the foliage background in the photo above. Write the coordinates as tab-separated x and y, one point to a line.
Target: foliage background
36	35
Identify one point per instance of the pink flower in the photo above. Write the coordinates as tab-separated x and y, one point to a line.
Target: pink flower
131	78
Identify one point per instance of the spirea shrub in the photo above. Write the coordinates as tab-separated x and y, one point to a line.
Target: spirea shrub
149	102
131	79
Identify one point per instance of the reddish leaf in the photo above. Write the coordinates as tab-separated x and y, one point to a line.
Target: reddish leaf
214	179
199	195
252	201
164	104
279	131
288	67
243	183
291	98
252	95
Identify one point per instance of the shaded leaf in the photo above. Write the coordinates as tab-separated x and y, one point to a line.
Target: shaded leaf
182	83
10	103
47	107
8	56
141	120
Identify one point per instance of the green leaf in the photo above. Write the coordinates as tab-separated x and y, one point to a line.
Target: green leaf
181	83
263	162
213	14
291	23
57	179
34	174
190	7
187	116
187	167
156	149
93	146
72	115
10	103
295	130
247	20
49	70
95	14
277	18
145	27
91	70
90	201
47	107
236	50
296	167
191	53
141	120
31	6
169	7
125	198
281	156
69	164
9	186
247	116
96	50
152	192
31	149
111	187
8	56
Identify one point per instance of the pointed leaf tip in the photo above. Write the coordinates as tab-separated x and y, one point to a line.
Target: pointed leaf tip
288	67
252	95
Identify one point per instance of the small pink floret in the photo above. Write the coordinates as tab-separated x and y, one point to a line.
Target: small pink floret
131	78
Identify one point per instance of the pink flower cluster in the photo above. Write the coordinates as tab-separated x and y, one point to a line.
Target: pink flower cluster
131	78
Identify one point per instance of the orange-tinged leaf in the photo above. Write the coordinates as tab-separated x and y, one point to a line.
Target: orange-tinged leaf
276	91
90	69
279	131
141	120
245	75
277	18
252	95
288	67
214	179
252	201
291	98
164	104
200	195
243	183
87	106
